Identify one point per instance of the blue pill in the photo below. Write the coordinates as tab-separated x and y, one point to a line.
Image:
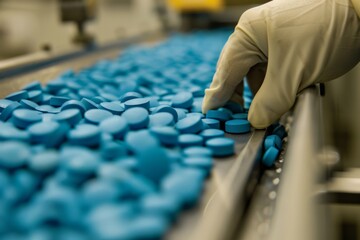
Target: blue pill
44	162
8	111
98	192
212	133
240	116
195	114
71	104
211	123
130	95
85	135
89	104
8	132
234	107
273	141
237	126
197	152
161	119
33	86
181	113
69	116
219	115
108	96
47	109
17	96
50	133
202	162
182	100
35	96
190	140
58	101
29	104
137	118
98	99
167	109
270	156
167	136
81	164
22	118
111	150
160	204
189	125
116	126
138	102
280	131
14	154
138	141
95	116
221	147
185	185
113	107
4	103
154	162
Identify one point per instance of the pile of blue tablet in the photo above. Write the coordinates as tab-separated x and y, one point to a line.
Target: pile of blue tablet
116	150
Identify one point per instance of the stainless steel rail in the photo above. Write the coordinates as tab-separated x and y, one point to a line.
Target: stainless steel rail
297	213
222	216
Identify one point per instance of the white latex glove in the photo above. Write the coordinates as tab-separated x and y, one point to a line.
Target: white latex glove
301	42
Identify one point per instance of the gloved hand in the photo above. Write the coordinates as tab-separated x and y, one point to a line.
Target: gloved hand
296	43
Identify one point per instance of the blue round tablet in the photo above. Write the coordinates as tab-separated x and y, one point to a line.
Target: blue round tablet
44	162
240	116
56	101
270	156
74	104
14	154
33	86
212	133
167	109
69	116
89	104
95	116
116	126
221	147
114	107
168	136
211	123
130	95
22	118
35	96
164	204
137	102
8	132
137	118
201	162
8	111
219	115
4	103
17	96
190	140
85	135
198	152
28	104
182	100
189	125
280	131
111	150
237	126
47	109
50	133
273	141
161	119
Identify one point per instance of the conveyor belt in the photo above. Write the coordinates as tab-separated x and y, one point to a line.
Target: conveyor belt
220	183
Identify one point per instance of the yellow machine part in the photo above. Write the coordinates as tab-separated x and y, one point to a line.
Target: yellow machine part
196	5
209	5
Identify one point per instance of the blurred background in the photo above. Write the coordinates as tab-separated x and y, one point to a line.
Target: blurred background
27	26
